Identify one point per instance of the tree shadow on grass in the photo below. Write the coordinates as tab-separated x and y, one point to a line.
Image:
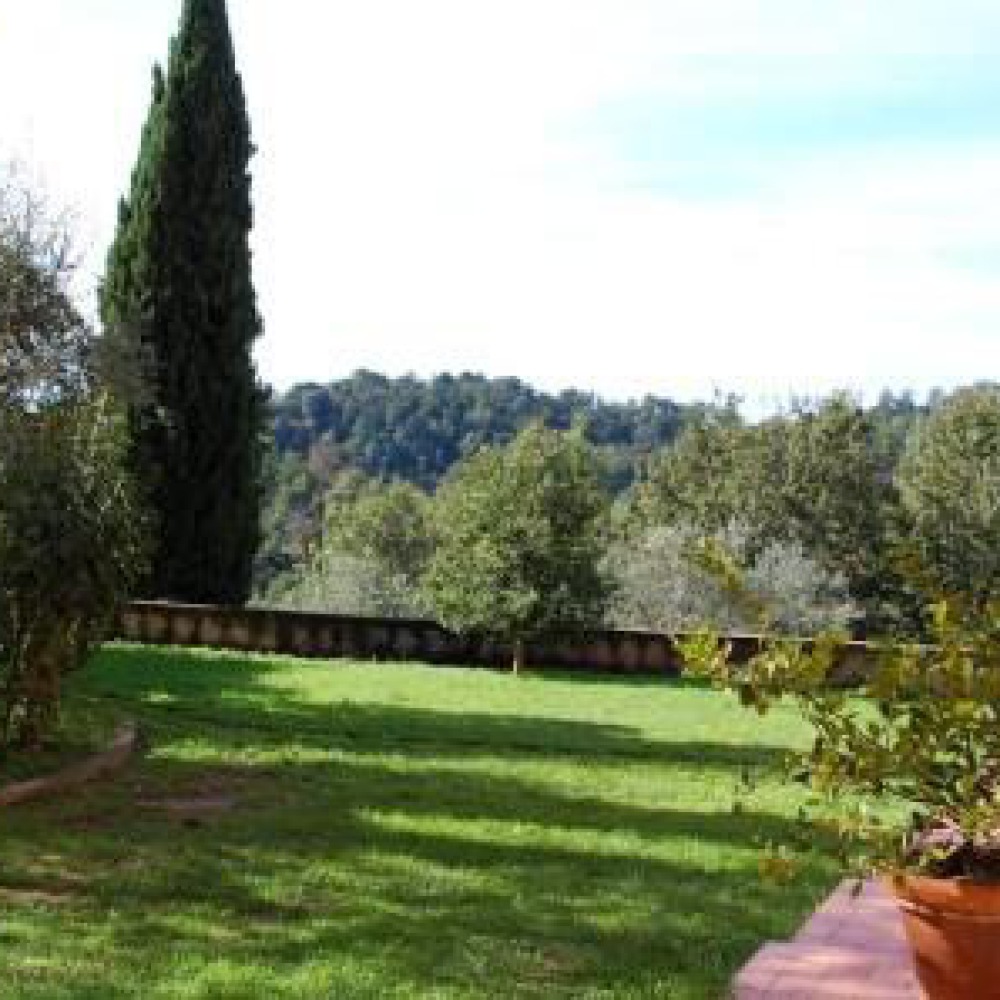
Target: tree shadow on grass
410	870
373	837
620	678
175	691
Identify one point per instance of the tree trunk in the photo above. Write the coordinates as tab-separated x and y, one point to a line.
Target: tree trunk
44	662
518	657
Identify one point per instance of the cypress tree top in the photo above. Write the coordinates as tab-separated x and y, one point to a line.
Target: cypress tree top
179	281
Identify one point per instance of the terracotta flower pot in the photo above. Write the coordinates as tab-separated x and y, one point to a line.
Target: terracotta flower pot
953	927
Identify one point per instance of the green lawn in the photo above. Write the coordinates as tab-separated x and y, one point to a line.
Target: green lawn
398	831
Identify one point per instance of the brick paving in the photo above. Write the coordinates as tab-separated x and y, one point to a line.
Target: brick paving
851	947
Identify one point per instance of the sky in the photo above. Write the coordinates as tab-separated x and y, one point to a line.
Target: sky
625	196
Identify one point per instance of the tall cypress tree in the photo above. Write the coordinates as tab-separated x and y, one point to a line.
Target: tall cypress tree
178	284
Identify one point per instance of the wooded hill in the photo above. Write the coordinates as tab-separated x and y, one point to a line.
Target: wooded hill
370	427
414	429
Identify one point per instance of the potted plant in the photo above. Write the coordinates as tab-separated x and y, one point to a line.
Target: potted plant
920	732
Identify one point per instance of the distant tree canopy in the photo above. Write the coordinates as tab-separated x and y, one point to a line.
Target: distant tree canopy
178	281
389	526
815	485
415	430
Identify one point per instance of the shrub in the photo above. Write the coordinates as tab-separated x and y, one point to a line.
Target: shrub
923	729
71	542
71	531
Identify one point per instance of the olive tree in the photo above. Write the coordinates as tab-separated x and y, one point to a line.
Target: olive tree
375	544
388	525
663	583
521	532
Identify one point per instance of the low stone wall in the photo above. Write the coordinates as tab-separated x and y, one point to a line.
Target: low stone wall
265	630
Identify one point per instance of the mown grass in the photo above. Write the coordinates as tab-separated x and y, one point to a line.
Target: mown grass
355	831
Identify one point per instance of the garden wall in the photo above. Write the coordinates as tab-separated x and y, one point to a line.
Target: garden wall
265	630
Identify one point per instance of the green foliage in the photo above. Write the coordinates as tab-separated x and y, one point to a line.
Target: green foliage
949	480
520	533
415	430
893	419
375	545
291	518
813	479
923	729
695	481
178	281
71	533
71	545
388	525
662	584
814	489
44	341
838	503
333	582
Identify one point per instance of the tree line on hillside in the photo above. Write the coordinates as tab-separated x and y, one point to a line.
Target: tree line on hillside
836	518
414	430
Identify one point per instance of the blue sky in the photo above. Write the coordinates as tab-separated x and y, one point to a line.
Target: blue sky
759	118
627	196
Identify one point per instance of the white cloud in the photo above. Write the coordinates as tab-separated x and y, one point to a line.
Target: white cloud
427	201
